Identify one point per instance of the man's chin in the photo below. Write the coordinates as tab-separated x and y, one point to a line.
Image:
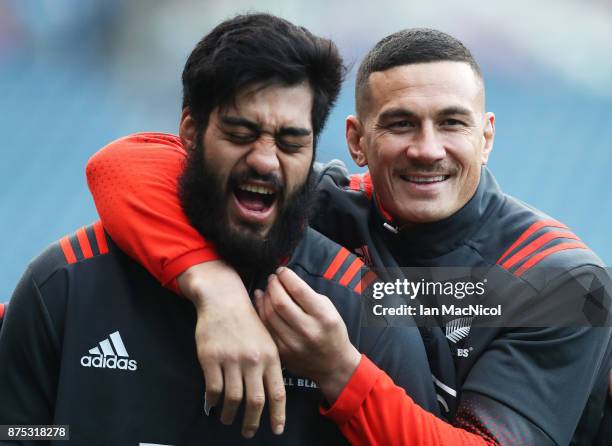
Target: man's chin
249	229
418	212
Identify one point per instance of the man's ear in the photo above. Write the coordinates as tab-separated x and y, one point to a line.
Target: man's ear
354	140
188	129
489	136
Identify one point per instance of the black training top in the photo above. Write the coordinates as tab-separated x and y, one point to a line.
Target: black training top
91	340
522	385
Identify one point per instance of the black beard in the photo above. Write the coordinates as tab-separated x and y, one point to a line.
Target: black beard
204	200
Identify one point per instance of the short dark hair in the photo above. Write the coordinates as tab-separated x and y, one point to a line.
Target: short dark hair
407	47
260	48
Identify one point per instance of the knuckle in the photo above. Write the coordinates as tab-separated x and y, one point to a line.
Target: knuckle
208	353
300	291
278	304
278	419
227	356
315	338
296	347
328	322
251	358
256	401
213	389
278	396
233	398
213	355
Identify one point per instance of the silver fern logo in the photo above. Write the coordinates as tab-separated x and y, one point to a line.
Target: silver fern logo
458	329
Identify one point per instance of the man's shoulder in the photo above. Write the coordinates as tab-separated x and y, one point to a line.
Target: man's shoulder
321	257
525	241
335	175
342	203
145	139
89	243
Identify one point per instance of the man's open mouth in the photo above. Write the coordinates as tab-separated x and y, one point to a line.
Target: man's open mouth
255	201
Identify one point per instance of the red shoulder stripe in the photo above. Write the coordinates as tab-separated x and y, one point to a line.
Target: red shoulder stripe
536	244
1	311
335	265
84	243
67	249
362	183
365	281
355	182
100	237
543	254
351	272
368	187
533	228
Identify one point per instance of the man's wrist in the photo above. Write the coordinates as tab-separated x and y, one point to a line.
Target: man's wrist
211	283
332	384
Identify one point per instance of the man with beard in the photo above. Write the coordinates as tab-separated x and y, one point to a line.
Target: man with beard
92	341
428	200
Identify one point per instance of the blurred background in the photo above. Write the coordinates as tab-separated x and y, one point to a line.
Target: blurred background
76	74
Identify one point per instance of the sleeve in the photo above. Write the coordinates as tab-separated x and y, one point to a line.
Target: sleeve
372	410
29	354
134	184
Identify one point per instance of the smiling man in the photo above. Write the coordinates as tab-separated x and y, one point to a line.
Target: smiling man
425	137
428	200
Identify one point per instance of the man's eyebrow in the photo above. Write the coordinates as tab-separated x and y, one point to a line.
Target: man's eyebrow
294	131
405	113
393	113
235	121
455	110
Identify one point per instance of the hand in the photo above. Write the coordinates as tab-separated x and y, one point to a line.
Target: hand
309	332
237	354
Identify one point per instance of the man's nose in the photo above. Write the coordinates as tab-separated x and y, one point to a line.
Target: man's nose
427	146
263	156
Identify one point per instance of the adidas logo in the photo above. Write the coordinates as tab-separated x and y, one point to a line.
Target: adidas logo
458	329
109	354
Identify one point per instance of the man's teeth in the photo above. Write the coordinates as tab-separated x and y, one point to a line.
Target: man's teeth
256	189
425	180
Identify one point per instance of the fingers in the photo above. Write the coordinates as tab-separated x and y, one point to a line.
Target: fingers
280	330
214	385
235	353
283	304
275	389
255	400
309	300
233	393
273	377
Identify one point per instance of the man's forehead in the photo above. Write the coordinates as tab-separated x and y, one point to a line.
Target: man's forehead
437	84
273	105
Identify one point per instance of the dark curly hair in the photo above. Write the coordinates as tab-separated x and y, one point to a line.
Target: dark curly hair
260	49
